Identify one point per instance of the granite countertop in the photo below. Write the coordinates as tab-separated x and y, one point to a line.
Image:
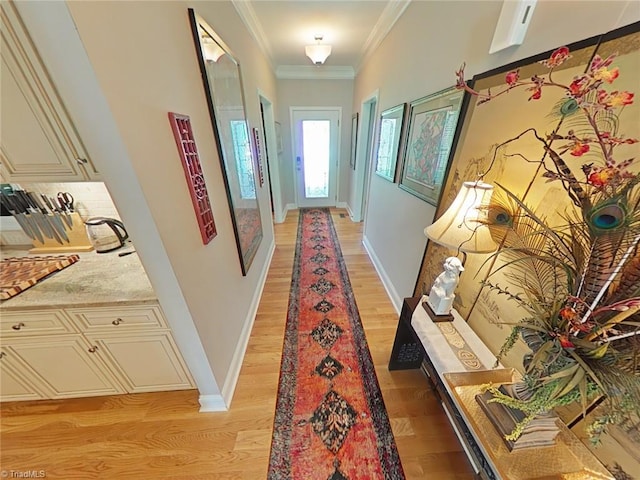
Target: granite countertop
97	279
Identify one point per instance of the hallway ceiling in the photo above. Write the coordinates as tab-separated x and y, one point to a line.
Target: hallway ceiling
353	28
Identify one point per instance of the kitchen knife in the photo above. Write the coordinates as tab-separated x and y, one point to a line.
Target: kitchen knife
20	218
60	209
22	206
46	219
45	226
55	217
66	200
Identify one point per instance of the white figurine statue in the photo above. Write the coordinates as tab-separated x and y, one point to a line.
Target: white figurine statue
442	292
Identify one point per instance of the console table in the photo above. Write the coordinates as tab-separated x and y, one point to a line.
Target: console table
457	362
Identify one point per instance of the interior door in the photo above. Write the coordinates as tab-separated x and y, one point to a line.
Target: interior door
316	147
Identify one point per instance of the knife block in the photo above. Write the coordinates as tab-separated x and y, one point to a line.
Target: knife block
78	239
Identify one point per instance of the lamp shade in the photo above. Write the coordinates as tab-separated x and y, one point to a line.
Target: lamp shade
318	53
459	227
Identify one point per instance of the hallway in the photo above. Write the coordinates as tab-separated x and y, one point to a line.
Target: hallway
162	435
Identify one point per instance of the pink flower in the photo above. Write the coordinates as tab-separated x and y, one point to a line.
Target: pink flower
620	99
601	177
606	75
576	88
557	58
537	92
512	77
614	99
579	149
597	63
460	81
565	342
568	313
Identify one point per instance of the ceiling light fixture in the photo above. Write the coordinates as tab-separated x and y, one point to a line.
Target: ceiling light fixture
318	53
210	49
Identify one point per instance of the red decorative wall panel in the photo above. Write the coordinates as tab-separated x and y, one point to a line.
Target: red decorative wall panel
181	126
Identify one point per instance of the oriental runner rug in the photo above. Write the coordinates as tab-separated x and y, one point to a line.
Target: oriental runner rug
330	421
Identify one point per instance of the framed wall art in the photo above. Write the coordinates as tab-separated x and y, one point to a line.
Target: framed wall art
257	155
428	144
225	98
497	142
390	130
354	140
188	151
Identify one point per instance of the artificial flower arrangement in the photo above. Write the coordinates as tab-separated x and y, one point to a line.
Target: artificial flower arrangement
578	282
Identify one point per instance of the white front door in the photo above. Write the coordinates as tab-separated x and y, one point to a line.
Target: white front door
316	143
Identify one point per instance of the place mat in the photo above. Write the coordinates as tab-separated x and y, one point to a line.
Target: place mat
19	273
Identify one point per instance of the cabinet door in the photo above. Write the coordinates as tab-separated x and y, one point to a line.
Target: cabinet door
145	362
39	140
16	381
66	365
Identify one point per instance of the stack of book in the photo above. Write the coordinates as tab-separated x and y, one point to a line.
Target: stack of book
540	432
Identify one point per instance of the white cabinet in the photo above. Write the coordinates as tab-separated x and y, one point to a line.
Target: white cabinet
66	366
144	362
88	351
16	380
39	140
139	345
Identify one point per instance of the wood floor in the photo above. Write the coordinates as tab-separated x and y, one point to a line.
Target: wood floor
162	435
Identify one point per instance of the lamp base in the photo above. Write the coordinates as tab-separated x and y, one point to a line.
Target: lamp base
447	317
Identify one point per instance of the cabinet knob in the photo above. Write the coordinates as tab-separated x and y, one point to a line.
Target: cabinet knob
82	161
18	326
117	321
93	349
2	354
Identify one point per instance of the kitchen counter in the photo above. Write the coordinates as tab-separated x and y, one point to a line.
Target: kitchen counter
94	280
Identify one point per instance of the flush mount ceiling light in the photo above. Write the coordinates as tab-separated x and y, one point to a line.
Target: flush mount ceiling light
318	53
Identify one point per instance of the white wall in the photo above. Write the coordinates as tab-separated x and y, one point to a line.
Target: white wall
419	57
143	65
314	93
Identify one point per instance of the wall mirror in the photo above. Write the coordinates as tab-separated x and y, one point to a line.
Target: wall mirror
390	132
223	88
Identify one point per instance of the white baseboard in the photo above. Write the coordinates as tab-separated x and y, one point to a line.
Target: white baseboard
396	299
349	211
230	382
278	217
212	403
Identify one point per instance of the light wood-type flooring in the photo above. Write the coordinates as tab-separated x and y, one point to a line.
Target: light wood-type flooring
162	435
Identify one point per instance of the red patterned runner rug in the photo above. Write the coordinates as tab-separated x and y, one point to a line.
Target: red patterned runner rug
330	421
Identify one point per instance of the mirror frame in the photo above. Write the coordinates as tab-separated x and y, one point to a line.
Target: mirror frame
247	228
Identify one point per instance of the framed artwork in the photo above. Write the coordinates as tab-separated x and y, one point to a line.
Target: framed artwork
389	134
428	143
520	166
354	140
225	98
188	151
257	155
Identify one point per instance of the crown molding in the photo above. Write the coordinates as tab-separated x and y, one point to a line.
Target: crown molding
388	18
311	72
248	16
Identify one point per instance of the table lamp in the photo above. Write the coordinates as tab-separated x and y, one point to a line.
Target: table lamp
459	228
